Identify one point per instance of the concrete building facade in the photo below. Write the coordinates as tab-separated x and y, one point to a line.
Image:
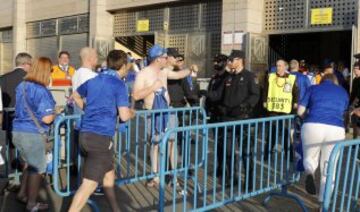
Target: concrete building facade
199	29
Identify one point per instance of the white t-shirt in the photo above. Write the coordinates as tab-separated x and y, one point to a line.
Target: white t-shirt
82	75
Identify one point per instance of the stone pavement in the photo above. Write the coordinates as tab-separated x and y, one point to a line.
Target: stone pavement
137	197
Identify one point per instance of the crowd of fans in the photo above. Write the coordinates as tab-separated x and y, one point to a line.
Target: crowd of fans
101	92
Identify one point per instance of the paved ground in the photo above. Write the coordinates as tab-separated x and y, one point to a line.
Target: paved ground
137	197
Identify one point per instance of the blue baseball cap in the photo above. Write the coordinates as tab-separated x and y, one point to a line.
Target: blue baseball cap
156	51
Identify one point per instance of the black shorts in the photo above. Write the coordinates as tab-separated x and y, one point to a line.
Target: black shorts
98	152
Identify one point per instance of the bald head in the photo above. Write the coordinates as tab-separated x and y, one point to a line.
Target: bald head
88	57
294	65
281	66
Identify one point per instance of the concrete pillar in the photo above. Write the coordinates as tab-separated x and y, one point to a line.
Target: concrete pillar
245	16
19	26
101	28
241	16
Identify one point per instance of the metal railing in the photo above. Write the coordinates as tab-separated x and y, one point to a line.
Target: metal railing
342	187
228	162
132	143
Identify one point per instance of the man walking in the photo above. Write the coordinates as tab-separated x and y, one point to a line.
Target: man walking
106	96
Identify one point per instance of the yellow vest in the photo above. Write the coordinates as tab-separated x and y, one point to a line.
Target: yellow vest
60	77
279	98
57	73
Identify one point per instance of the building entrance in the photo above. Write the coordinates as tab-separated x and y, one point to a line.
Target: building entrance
314	48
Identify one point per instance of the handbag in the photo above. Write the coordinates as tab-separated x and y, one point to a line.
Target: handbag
43	133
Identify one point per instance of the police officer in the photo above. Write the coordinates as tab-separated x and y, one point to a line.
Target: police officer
213	101
214	94
241	94
280	98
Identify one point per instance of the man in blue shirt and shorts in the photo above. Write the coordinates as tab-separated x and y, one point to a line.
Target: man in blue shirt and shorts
106	96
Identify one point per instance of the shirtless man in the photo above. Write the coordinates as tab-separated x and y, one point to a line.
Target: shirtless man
150	80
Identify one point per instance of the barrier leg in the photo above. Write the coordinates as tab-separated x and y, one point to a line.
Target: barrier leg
284	193
16	173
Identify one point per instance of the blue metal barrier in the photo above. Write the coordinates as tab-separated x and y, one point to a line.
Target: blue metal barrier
342	187
228	162
68	123
132	144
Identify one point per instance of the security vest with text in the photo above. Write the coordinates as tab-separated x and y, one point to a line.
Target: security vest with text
60	77
279	98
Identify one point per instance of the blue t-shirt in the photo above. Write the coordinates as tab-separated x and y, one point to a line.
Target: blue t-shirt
104	95
130	77
303	83
326	103
40	101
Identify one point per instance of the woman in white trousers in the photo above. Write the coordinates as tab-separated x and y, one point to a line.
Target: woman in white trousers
323	108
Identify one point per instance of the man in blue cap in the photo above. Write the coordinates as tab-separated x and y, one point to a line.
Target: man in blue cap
150	84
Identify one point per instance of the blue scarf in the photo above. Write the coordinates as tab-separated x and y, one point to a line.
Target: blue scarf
189	82
160	102
111	72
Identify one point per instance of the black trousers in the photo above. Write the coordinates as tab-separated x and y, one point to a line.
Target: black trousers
280	133
236	145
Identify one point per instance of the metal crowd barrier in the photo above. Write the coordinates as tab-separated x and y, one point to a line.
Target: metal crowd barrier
342	187
62	182
132	144
257	153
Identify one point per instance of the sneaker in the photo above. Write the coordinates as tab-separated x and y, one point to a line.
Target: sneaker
37	207
99	191
154	183
310	186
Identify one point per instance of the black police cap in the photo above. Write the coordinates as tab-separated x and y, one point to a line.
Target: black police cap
173	52
237	54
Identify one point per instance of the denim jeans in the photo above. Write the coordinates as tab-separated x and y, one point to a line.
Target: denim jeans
32	150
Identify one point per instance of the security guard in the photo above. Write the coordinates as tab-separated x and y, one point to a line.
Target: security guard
280	98
62	73
241	94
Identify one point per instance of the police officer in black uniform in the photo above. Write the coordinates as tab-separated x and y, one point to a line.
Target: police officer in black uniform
213	102
214	94
241	94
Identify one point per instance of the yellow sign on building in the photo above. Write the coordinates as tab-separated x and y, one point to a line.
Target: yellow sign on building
143	25
321	16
